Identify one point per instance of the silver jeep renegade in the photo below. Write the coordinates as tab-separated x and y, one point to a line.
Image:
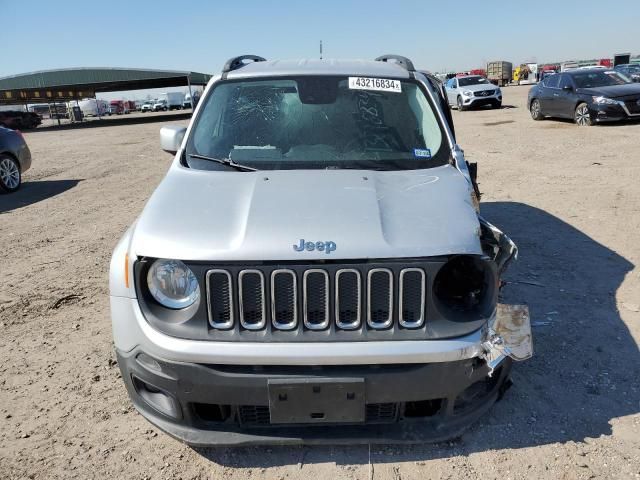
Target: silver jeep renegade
313	267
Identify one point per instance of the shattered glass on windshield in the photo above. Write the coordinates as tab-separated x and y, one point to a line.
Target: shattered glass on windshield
318	122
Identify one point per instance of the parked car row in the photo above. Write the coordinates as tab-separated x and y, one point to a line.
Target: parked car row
585	95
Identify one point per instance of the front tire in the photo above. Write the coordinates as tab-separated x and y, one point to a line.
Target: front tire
460	104
536	110
10	177
582	116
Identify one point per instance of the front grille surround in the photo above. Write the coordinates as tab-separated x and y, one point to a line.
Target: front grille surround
372	311
225	310
260	296
632	106
340	301
255	322
275	301
405	322
322	306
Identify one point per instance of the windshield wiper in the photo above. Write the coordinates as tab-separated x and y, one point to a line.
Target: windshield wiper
225	161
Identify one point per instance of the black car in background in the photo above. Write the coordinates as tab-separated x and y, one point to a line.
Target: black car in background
17	120
587	96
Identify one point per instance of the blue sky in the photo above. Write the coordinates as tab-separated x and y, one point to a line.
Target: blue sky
200	36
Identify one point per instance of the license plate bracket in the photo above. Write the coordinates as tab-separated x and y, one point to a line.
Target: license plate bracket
316	400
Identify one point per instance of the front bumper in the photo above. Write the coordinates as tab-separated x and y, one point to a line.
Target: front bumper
218	393
481	101
230	405
611	113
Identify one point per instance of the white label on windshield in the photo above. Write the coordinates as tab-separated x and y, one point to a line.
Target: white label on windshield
379	84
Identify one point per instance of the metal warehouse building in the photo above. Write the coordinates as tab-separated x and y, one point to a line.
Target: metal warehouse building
52	86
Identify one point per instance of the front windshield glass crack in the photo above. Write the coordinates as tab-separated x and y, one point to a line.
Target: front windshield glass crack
319	123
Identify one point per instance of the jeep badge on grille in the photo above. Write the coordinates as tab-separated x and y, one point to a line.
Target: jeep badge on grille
326	247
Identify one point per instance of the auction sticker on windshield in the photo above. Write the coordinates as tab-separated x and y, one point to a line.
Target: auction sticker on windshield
379	84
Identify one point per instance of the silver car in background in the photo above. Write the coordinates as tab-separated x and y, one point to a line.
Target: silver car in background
15	159
472	91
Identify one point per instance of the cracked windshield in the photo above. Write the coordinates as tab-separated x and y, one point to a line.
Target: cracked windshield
318	122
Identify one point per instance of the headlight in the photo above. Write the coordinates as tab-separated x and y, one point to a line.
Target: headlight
464	288
468	93
173	284
498	92
604	101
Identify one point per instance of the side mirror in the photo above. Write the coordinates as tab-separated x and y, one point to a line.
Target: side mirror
567	88
171	138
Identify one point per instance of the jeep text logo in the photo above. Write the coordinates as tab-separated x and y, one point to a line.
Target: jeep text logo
326	247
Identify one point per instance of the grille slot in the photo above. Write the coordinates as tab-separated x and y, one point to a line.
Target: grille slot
251	299
412	297
254	415
316	299
380	298
220	299
348	299
633	106
382	412
284	299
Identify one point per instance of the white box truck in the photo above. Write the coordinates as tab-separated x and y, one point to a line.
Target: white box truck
174	100
93	108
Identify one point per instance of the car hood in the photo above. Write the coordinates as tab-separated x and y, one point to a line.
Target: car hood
613	91
204	215
479	88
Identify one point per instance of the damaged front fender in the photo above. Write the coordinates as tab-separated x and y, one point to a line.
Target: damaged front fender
497	245
509	333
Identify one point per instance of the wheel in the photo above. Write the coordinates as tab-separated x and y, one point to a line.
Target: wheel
10	177
536	111
460	104
582	116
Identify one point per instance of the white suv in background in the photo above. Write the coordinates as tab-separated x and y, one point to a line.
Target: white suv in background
472	91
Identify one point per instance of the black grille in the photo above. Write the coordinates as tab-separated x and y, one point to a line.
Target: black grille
304	300
257	415
380	305
382	412
348	299
316	294
220	299
254	415
252	312
484	93
412	297
632	105
284	299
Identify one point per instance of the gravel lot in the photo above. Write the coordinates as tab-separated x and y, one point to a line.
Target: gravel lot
568	196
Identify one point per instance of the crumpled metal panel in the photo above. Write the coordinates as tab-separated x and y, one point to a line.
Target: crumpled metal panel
509	335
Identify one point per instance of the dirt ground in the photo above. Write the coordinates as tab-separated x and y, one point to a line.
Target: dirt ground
568	196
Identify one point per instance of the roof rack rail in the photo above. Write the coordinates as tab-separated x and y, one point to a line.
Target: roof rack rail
239	62
403	62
